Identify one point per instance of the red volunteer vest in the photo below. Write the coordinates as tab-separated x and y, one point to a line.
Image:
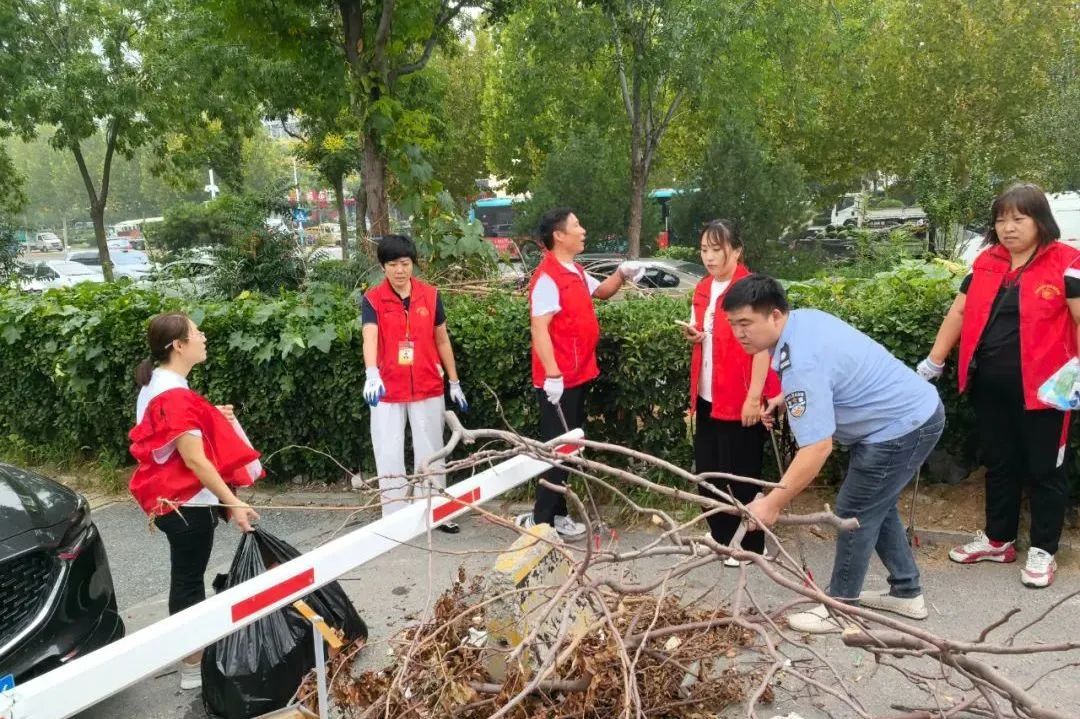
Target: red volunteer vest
169	415
574	329
1047	330
732	366
422	379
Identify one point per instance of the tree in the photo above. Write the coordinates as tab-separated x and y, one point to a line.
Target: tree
80	72
590	174
740	179
333	150
451	90
378	44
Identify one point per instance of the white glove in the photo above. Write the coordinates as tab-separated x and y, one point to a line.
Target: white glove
553	387
632	270
458	397
929	370
374	389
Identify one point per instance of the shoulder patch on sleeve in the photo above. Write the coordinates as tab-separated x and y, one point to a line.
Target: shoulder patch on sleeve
796	403
785	359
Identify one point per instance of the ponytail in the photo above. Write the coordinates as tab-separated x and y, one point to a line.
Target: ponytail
164	329
144	371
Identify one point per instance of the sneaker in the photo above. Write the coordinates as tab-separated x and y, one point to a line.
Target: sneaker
911	607
815	621
449	528
525	521
568	528
1039	570
981	550
190	675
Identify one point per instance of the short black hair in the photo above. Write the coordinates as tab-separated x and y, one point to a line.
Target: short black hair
394	247
549	222
760	292
1030	200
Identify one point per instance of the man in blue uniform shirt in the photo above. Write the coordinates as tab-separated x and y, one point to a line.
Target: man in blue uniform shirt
841	387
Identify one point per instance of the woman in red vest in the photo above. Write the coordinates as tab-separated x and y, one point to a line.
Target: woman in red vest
406	349
728	387
1015	321
191	456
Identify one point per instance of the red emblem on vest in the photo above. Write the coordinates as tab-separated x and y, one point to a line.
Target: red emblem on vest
1048	292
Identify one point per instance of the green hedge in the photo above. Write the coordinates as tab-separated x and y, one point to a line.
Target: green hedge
292	364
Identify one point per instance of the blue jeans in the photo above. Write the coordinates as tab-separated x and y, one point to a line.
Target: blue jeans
877	474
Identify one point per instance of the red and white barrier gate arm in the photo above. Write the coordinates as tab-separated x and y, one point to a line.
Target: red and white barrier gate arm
88	680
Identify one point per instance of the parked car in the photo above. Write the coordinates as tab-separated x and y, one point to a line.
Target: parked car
189	277
57	600
126	263
42	242
50	274
666	276
119	243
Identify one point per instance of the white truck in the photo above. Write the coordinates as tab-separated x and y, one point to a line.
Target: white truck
852	211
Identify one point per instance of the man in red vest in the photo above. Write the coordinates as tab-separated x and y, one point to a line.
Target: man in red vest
565	332
406	350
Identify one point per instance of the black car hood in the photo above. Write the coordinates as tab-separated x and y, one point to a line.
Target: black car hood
29	501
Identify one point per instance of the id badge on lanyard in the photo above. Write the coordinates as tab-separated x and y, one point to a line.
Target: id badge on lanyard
406	350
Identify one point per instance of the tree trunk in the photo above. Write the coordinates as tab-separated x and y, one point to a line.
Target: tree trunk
637	203
98	200
97	215
342	218
362	245
639	172
373	178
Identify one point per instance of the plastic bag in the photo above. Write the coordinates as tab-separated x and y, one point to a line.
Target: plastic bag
1060	390
258	668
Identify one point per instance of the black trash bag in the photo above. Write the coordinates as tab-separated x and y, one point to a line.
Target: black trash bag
258	668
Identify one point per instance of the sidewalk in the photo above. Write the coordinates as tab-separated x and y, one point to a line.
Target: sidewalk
392	591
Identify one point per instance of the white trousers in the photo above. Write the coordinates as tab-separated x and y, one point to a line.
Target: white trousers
388	439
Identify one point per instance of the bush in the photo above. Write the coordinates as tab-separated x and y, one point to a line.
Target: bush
292	364
227	219
358	272
680	252
261	261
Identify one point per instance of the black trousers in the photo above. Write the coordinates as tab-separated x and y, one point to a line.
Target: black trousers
190	531
727	446
1020	447
550	504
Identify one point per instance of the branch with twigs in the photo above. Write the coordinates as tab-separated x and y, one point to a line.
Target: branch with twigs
645	651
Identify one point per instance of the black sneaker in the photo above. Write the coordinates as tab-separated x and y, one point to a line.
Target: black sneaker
449	528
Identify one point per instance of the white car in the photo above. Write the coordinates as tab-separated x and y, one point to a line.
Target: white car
50	274
44	242
126	263
189	277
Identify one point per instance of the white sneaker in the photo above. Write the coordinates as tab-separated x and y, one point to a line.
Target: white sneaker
815	621
911	607
1039	570
568	528
525	521
190	675
980	550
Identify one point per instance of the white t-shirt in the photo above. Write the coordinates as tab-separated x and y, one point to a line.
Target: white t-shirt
545	294
160	381
705	379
